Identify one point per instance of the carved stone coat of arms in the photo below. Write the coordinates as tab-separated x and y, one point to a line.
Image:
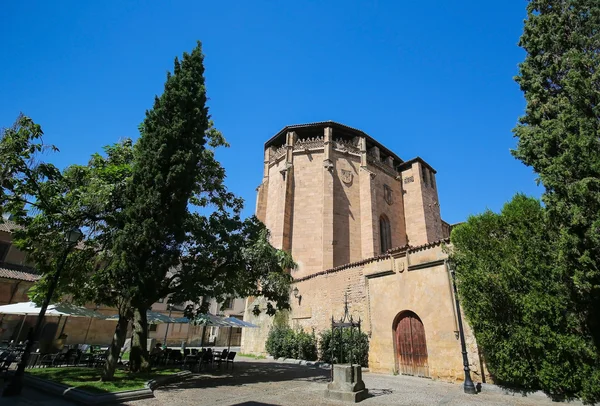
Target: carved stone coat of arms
346	176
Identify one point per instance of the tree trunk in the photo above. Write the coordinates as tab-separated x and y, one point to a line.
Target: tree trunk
138	359
116	344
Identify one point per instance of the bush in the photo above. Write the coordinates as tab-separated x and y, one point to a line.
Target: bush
519	305
283	342
358	343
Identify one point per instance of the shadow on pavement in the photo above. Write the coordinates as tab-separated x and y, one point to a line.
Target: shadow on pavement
245	373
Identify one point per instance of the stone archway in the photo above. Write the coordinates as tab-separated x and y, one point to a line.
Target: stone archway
411	345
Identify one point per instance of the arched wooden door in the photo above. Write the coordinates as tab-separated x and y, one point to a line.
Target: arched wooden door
411	347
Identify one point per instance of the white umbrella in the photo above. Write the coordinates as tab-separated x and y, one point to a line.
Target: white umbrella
26	309
60	309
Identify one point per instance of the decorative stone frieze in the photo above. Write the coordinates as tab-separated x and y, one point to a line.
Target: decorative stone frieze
348	146
309	143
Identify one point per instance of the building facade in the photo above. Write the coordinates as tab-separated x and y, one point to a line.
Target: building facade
363	223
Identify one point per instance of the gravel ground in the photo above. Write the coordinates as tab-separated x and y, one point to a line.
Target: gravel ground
266	383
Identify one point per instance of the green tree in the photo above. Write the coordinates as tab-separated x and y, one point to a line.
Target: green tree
169	168
181	233
559	137
516	300
41	202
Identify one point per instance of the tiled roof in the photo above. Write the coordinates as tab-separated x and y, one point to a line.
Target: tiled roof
281	134
20	272
7	225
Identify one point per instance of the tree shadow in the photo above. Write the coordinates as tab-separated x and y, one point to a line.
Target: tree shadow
245	373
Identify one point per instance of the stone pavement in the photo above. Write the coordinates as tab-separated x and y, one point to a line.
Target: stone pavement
270	383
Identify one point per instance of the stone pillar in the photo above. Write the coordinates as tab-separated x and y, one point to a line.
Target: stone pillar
347	384
263	189
327	215
368	228
288	198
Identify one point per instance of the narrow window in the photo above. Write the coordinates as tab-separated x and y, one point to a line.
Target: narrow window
424	174
4	247
385	234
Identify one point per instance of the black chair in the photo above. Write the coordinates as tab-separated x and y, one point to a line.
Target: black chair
7	362
53	359
230	358
207	358
221	358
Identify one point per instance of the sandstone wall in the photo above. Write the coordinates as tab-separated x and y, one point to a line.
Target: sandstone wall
306	227
378	290
346	209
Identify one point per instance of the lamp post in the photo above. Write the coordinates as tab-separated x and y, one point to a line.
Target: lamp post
468	386
170	307
16	384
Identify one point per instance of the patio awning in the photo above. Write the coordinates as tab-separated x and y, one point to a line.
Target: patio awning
211	320
154	318
241	323
59	309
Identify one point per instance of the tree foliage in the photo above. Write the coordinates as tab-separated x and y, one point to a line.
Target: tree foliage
559	137
284	342
519	305
342	343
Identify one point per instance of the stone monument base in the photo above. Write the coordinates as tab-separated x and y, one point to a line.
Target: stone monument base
347	384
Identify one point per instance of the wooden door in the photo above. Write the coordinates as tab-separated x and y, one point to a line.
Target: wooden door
411	347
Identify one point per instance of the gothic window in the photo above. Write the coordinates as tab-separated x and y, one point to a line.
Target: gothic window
387	194
424	174
432	179
385	233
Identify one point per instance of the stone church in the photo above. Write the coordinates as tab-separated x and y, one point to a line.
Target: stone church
361	221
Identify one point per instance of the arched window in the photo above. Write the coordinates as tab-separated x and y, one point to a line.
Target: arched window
385	233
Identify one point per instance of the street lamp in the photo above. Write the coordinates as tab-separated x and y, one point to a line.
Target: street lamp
468	386
72	237
297	294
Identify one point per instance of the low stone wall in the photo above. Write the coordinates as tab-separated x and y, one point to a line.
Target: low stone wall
86	398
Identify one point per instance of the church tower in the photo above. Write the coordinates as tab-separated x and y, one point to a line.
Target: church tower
332	195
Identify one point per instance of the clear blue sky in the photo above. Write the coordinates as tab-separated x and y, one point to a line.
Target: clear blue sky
432	79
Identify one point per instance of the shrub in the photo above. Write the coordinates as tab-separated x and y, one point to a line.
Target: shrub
358	343
519	305
283	342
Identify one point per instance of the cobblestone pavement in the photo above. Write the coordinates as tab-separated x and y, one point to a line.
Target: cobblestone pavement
269	383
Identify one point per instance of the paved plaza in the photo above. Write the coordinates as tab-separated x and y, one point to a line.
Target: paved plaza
270	383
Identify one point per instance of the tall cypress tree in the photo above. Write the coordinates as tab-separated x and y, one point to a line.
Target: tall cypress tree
169	159
559	136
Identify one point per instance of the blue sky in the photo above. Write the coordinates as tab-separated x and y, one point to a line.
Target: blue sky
432	79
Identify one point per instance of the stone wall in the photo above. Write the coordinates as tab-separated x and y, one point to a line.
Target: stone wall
307	208
346	209
379	289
